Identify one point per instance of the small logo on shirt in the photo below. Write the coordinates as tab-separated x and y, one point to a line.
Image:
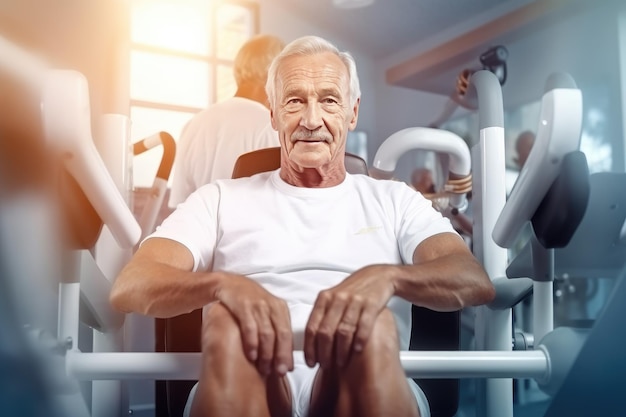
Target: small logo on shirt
368	229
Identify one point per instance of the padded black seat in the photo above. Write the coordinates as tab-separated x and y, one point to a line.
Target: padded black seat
562	209
566	220
431	330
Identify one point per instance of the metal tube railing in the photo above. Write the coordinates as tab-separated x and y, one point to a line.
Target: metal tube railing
417	364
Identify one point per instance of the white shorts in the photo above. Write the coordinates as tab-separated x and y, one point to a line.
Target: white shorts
301	385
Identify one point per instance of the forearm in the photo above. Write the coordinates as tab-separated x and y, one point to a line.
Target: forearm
160	290
448	283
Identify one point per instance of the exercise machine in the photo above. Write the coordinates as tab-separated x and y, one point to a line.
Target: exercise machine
493	361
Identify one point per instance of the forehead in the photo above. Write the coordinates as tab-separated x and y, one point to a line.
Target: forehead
325	70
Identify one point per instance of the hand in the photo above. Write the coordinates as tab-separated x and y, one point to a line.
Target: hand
343	317
264	323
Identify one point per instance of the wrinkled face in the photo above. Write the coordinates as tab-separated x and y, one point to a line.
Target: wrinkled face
312	111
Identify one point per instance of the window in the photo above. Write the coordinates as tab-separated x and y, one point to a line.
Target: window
182	54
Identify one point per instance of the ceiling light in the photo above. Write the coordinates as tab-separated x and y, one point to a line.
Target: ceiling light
351	4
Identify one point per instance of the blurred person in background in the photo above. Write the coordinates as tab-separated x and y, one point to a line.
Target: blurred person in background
213	139
422	181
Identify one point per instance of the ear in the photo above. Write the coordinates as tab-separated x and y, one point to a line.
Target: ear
355	114
272	119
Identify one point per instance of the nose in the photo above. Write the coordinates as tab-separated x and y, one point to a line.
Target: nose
311	117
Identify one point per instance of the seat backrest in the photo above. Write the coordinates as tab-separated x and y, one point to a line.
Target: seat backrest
431	330
268	159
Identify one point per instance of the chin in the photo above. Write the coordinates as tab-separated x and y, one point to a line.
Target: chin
311	163
309	160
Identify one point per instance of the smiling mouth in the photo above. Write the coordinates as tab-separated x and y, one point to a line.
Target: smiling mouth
311	141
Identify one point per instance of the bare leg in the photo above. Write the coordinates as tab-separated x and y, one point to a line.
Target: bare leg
230	385
372	384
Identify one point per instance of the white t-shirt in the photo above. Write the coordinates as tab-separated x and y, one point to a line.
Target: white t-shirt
213	139
298	241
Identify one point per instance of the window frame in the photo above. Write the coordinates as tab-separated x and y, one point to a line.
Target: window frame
210	58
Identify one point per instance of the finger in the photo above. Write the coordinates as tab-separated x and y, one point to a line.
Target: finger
310	333
364	329
283	349
346	333
325	338
249	335
266	340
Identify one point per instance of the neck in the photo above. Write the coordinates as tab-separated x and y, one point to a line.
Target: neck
253	92
322	177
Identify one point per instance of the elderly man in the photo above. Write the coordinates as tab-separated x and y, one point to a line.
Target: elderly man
306	258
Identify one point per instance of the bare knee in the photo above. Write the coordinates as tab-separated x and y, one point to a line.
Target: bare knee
377	372
230	384
220	332
372	384
384	337
223	361
381	353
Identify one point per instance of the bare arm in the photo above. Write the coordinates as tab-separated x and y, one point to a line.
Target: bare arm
158	281
444	276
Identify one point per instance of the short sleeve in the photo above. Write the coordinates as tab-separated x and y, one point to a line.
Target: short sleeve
417	221
194	225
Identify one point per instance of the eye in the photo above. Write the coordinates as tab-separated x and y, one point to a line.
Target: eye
294	101
329	100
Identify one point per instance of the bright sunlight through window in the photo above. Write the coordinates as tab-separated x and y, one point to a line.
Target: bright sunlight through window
182	55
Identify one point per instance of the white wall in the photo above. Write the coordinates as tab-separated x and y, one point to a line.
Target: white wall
583	44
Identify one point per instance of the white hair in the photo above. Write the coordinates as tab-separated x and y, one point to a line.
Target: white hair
307	46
